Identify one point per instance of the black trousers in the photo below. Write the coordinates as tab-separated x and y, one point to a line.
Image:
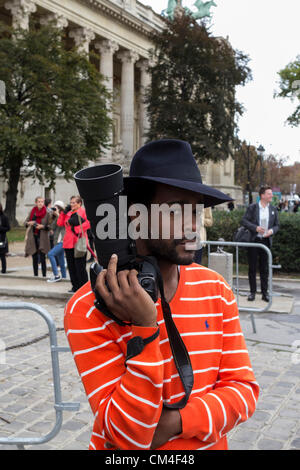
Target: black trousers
3	262
38	257
77	269
258	255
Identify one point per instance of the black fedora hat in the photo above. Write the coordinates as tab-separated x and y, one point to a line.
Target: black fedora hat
171	162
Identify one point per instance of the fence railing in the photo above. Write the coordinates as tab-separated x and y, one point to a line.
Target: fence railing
236	289
59	405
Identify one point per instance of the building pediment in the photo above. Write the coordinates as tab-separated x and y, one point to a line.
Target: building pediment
133	14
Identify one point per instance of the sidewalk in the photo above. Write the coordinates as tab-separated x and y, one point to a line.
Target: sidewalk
20	281
26	384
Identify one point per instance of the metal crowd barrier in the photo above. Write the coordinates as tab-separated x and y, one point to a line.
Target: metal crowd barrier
59	405
238	245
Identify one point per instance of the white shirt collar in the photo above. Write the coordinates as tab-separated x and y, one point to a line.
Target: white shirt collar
262	207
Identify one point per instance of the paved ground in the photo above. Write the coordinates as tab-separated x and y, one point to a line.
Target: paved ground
26	383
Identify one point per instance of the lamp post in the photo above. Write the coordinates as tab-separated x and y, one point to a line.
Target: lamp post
260	151
244	150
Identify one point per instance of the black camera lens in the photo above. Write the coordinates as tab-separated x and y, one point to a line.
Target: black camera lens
101	186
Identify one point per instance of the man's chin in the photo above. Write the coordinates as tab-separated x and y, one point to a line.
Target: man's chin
187	257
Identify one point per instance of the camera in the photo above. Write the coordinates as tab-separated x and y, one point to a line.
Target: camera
101	188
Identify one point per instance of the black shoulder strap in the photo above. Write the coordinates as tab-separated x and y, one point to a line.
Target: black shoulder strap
179	351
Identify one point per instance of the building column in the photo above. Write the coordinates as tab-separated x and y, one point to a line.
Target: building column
143	115
128	59
21	11
107	49
59	20
82	38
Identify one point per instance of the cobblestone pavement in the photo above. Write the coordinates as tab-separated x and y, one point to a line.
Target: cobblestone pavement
26	385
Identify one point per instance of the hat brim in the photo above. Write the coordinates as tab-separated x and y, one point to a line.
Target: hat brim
212	196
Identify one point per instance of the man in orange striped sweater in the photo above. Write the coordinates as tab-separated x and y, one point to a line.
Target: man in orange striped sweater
131	396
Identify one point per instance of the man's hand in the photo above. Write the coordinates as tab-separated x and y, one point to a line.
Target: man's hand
260	230
268	233
125	298
168	426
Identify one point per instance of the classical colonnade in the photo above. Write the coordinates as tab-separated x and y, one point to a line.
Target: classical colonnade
108	49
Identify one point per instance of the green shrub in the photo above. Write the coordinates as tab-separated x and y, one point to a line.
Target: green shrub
286	243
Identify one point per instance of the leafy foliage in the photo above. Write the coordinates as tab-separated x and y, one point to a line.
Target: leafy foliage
285	248
290	88
56	114
192	96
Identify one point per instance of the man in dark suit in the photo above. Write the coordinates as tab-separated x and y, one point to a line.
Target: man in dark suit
262	221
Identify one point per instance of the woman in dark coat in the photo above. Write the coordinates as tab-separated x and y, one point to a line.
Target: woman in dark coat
37	236
4	228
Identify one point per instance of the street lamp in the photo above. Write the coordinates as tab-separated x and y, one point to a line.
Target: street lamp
260	152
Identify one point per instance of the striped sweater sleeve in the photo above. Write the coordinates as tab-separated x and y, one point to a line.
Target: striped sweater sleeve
233	399
125	399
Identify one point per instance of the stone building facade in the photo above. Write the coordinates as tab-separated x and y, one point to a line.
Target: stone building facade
120	32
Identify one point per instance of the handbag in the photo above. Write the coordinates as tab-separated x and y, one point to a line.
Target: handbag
3	245
242	235
80	247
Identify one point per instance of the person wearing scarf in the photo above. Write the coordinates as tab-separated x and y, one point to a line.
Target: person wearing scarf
37	215
37	236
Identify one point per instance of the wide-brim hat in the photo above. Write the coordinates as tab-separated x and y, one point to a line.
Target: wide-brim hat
171	162
59	204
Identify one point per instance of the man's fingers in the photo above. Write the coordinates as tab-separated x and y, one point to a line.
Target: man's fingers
132	278
101	286
111	275
123	279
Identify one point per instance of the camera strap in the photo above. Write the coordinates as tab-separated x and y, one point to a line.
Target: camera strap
180	354
179	351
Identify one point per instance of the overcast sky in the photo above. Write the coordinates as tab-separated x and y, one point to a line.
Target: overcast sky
268	31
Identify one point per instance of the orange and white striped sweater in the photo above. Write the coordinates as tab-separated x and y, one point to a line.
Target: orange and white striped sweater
127	401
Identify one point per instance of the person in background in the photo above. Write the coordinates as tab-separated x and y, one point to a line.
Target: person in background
296	204
286	206
230	206
48	204
262	220
37	236
207	222
57	252
70	218
91	244
4	228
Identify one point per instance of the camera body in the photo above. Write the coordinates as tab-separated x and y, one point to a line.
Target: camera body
102	186
146	277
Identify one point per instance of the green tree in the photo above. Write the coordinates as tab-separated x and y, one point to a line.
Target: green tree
247	168
55	119
192	96
290	88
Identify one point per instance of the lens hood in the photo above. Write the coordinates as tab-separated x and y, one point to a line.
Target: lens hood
100	182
